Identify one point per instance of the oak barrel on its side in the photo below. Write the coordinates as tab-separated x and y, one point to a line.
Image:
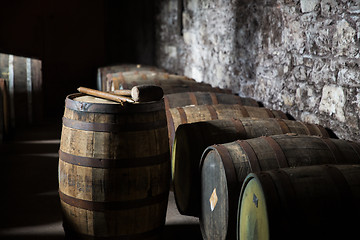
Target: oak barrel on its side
170	83
114	168
205	98
225	166
313	202
190	114
192	139
104	71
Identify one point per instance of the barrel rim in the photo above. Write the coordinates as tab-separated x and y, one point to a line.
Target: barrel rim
201	222
248	178
124	107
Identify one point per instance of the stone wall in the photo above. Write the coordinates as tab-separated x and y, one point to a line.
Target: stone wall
299	56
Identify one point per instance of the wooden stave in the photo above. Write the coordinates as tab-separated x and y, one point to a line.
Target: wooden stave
162	166
189	114
170	83
104	71
236	173
206	98
199	135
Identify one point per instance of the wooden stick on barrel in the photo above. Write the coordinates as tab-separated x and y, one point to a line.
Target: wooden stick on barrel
105	95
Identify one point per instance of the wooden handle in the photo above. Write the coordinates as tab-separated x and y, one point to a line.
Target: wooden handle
123	92
105	95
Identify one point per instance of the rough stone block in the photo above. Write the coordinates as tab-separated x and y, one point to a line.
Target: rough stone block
308	5
333	101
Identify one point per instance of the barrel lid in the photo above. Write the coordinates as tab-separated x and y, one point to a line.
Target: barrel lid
214	197
252	220
85	103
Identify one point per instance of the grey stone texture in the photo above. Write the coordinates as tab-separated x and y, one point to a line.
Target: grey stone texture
299	56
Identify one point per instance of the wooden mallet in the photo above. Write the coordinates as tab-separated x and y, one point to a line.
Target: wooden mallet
140	93
143	93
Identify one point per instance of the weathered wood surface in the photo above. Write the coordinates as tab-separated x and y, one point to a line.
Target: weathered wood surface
190	114
205	98
170	83
24	83
230	163
191	140
313	202
4	110
104	71
114	168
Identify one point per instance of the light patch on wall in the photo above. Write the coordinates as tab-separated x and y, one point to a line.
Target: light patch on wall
309	118
333	101
308	5
196	74
171	51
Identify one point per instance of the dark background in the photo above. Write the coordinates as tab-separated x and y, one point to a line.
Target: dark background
75	37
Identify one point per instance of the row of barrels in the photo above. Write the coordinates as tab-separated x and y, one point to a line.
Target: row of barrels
114	158
115	168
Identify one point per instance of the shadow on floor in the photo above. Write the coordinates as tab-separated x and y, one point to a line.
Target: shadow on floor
33	237
181	232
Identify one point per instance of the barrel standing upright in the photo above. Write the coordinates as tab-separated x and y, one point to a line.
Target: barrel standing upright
114	168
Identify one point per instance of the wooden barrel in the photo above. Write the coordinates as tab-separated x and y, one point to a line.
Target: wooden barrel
225	166
104	71
24	86
205	98
191	140
114	168
313	202
170	83
190	114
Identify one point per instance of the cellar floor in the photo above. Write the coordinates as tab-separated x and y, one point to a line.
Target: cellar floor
30	206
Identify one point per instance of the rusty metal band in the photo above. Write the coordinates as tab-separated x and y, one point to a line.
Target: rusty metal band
166	102
252	157
71	234
322	130
192	98
279	153
239	101
305	127
124	108
273	202
233	186
312	129
212	111
114	163
183	117
244	112
113	127
115	205
281	114
338	156
270	113
284	127
213	97
239	127
356	147
231	177
171	128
